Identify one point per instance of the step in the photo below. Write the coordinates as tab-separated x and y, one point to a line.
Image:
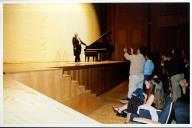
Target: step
81	89
66	75
65	72
91	102
86	103
66	87
74	88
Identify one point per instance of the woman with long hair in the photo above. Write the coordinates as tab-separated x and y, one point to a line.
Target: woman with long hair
154	96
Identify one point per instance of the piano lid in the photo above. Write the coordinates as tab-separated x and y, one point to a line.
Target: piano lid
103	42
102	48
106	34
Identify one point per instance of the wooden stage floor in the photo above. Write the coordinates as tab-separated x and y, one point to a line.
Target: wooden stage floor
34	66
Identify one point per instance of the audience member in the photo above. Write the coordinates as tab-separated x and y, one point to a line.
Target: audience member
175	68
136	71
148	69
154	96
163	72
182	105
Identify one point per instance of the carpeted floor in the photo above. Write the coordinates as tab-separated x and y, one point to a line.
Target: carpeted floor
105	114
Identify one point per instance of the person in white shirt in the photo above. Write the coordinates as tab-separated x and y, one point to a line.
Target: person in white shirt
136	73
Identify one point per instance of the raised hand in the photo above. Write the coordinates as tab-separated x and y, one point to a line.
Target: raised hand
125	49
131	50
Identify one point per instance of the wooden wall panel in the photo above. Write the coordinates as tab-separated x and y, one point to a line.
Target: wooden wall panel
37	81
66	87
47	82
59	86
57	77
167	22
130	27
148	24
100	78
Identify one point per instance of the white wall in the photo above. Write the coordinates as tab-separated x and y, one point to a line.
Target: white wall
43	32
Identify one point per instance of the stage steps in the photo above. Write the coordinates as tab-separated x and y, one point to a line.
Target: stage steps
60	87
78	97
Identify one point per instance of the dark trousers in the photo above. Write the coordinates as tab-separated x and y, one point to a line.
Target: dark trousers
181	112
77	58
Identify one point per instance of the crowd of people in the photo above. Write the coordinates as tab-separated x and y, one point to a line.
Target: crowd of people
152	77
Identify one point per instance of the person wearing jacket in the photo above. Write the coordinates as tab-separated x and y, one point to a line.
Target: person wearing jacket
76	41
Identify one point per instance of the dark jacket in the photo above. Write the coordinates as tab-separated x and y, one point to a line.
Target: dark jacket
175	66
77	46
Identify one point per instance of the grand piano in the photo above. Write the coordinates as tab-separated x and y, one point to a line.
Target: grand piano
101	49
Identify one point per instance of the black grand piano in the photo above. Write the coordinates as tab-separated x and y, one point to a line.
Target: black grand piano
101	49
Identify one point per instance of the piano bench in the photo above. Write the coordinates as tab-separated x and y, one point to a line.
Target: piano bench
91	54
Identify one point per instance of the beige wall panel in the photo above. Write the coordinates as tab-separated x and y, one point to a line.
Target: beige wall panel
43	32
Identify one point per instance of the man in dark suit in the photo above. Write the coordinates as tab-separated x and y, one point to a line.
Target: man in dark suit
77	47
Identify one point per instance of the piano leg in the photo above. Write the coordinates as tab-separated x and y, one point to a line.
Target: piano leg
86	58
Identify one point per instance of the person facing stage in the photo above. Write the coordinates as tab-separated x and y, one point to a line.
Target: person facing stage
77	47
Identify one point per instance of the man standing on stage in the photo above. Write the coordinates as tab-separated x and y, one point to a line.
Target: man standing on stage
77	47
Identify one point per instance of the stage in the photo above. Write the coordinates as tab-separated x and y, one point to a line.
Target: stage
38	66
76	85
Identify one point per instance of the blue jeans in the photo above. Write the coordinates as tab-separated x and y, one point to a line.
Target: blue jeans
181	111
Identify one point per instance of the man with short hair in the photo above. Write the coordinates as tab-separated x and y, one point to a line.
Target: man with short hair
77	47
136	73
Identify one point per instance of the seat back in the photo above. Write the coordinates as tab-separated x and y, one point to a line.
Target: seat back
166	112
